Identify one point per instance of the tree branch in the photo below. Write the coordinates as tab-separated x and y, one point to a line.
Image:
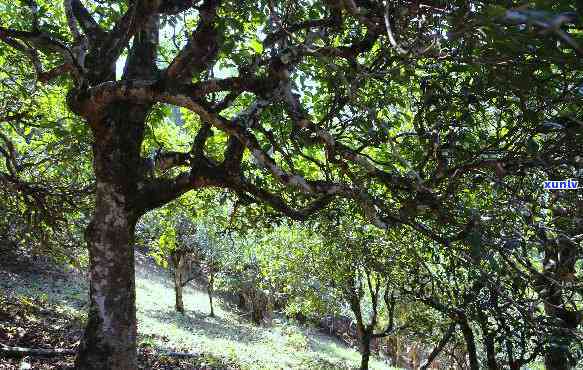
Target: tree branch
202	47
440	346
90	27
166	160
277	201
42	42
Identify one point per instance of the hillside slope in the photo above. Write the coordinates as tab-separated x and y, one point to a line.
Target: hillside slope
43	306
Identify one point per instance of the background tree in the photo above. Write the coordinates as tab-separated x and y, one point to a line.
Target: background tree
333	265
189	243
45	172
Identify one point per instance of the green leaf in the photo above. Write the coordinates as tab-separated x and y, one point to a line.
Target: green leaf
256	45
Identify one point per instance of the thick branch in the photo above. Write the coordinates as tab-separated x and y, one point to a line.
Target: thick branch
175	6
278	203
137	16
90	27
157	192
38	40
141	60
202	47
167	160
189	96
200	139
71	20
45	43
283	32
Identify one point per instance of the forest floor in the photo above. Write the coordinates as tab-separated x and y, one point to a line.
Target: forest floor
43	306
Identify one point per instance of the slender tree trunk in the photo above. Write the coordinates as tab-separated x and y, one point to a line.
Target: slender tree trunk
110	336
490	351
210	288
488	338
364	331
559	265
365	339
440	346
176	258
470	343
558	356
179	304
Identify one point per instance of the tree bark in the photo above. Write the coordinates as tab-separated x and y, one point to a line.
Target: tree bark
557	356
559	265
109	341
490	350
365	332
179	304
488	339
440	346
470	342
365	350
210	288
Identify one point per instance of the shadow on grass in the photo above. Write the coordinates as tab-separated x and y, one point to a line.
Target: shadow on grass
199	323
39	277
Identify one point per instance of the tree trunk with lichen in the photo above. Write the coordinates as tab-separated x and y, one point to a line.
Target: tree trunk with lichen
118	128
109	341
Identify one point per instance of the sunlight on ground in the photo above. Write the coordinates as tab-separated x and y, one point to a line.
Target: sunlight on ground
227	335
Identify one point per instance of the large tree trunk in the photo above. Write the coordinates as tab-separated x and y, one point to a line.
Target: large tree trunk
110	336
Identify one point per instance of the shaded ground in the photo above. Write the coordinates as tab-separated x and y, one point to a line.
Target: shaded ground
47	310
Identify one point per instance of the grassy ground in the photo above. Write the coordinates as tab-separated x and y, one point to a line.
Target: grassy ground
48	310
229	335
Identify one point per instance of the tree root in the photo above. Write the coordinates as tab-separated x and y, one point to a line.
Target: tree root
7	351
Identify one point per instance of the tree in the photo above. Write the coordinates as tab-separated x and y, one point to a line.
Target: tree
361	263
177	245
45	169
333	264
496	286
176	235
379	87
